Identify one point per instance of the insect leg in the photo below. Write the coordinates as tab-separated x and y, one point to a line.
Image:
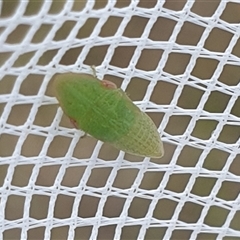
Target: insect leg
108	84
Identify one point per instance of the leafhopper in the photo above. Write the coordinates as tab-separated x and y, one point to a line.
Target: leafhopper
105	112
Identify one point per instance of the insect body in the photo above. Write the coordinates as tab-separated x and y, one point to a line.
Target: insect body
105	112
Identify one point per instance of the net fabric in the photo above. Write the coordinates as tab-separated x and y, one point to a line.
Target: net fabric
180	62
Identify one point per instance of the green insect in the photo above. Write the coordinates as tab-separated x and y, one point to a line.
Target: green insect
105	112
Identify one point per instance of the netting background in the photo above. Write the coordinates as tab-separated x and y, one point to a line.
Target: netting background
180	62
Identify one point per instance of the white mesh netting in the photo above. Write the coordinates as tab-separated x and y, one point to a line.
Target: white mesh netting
180	62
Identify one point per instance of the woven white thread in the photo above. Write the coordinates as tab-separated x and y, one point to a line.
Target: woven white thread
179	62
